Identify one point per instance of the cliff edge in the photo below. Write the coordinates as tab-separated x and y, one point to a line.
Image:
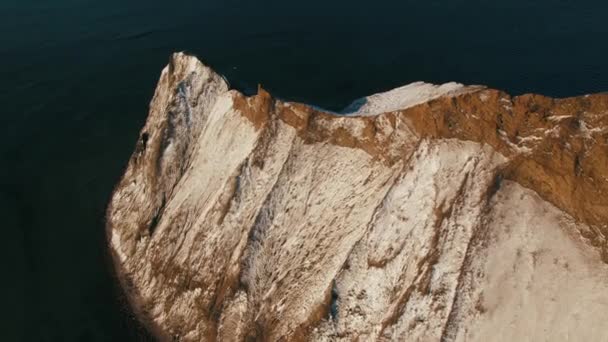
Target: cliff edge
427	213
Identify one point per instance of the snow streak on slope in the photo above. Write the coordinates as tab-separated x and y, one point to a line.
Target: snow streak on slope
402	276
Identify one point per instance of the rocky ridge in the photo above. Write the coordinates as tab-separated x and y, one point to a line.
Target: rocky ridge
426	213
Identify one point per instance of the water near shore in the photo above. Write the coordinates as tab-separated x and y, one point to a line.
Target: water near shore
77	77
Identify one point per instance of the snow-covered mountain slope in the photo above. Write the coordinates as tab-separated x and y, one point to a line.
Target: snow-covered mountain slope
464	215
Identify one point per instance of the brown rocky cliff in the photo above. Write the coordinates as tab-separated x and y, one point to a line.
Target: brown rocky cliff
557	147
254	218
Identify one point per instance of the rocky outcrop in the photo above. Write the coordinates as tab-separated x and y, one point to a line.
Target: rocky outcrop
428	213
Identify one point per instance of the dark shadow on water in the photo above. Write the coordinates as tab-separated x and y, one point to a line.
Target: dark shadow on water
354	106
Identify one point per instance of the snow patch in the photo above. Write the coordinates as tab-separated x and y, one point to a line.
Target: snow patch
515	147
117	246
405	97
588	132
528	139
558	118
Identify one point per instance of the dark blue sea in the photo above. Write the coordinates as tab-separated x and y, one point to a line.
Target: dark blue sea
76	77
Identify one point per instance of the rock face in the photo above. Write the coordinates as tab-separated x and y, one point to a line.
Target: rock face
428	213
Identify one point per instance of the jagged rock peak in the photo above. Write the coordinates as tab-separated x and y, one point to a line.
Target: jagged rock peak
428	213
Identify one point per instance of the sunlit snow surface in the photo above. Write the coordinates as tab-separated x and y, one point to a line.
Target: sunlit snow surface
405	97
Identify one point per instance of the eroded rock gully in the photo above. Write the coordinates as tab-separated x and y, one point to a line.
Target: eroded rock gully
434	213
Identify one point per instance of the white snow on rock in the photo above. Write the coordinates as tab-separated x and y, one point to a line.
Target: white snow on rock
405	97
536	281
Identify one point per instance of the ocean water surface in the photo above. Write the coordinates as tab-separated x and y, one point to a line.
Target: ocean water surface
77	77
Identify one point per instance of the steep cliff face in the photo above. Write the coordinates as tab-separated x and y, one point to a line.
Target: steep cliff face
426	213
